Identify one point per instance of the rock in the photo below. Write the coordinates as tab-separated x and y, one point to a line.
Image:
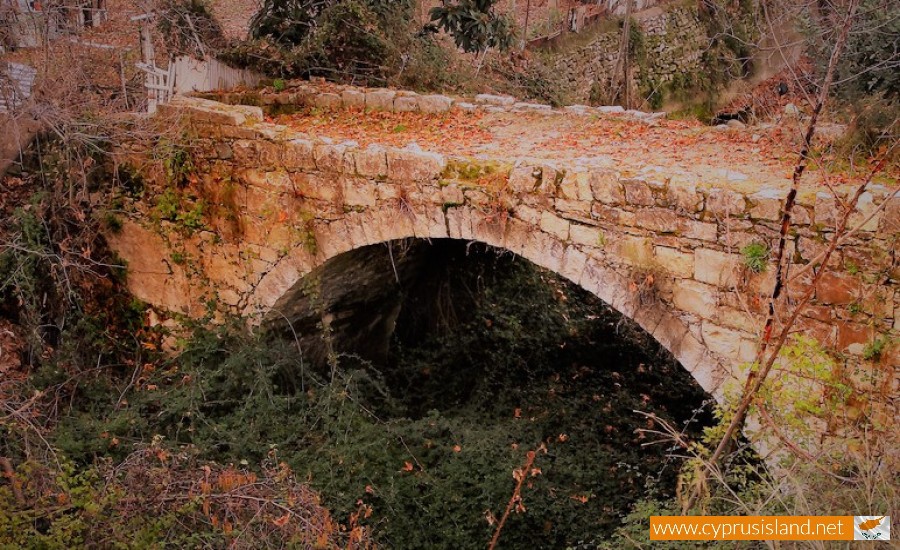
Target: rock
328	101
435	103
406	104
380	99
791	110
736	124
611	109
496	100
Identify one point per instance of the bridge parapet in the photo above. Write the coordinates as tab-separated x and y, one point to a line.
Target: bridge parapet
673	256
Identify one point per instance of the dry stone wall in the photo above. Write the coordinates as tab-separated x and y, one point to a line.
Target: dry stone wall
279	204
674	40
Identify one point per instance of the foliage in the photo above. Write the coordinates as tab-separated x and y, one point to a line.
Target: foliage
421	450
869	64
529	77
474	25
874	349
347	41
188	27
155	498
756	257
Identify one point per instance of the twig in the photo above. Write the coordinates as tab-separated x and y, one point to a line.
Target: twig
755	381
529	461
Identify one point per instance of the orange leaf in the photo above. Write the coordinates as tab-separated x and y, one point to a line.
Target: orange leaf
282	521
407	466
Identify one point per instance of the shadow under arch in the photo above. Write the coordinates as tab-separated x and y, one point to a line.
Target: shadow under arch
598	274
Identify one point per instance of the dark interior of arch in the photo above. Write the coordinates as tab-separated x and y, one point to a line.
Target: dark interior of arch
374	301
478	346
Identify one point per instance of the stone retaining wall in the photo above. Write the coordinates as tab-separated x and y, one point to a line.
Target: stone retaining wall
674	41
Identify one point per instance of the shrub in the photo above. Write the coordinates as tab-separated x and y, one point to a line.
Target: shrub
756	256
474	25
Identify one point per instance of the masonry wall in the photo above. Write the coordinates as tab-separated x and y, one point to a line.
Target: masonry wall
674	42
278	204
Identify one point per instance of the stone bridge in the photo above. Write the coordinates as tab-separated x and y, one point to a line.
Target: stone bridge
262	205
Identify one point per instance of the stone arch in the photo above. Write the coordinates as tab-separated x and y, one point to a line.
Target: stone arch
590	271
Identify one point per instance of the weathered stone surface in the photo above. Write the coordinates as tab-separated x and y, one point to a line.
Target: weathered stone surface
298	155
576	185
767	204
638	193
605	187
372	162
404	165
637	251
837	288
699	230
380	99
728	343
555	225
330	157
585	236
694	297
716	268
866	216
524	178
353	99
434	103
499	100
406	104
328	101
725	203
660	220
685	197
676	262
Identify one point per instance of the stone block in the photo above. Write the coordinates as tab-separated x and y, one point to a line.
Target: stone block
675	262
555	225
638	193
406	104
767	204
716	268
353	99
583	235
576	185
524	179
330	158
685	197
726	203
637	251
297	154
837	288
728	343
694	297
660	220
328	100
699	230
409	166
435	103
358	192
606	188
890	219
866	214
497	100
371	162
382	100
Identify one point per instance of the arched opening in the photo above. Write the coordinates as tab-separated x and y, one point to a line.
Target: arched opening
464	357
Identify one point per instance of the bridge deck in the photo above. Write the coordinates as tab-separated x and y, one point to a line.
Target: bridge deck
744	159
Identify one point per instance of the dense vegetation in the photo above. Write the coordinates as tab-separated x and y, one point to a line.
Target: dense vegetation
420	450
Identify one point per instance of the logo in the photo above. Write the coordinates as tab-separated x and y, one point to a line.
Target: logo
871	527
